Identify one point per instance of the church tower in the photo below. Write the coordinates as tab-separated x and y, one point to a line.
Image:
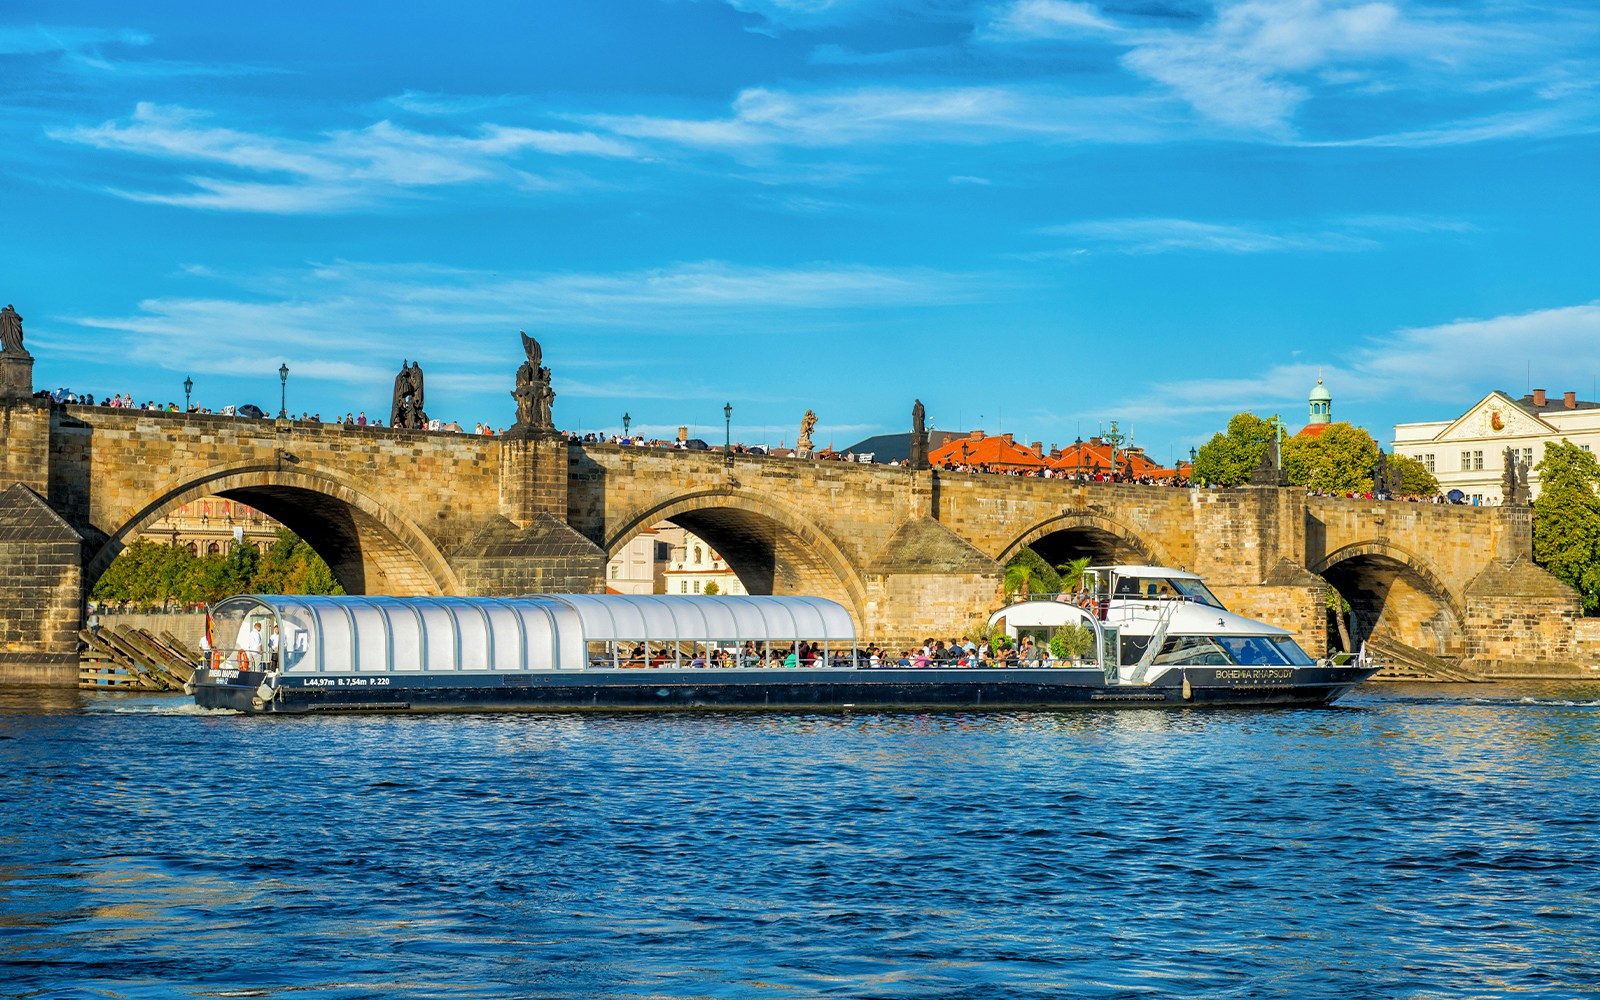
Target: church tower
1321	403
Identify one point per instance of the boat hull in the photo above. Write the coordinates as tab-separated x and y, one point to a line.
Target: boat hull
768	689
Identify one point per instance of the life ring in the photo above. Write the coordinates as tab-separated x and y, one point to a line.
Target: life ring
244	660
216	659
1087	603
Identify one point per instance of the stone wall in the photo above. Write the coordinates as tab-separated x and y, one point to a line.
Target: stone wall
41	586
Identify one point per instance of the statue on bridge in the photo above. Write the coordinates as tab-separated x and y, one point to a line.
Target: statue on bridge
533	393
11	331
808	423
407	411
1514	488
919	436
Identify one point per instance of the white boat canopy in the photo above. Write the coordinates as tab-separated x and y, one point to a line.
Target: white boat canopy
337	635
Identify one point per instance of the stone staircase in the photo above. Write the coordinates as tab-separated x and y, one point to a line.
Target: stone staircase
1407	663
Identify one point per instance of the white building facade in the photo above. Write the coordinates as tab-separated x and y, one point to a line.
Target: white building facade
1468	453
667	559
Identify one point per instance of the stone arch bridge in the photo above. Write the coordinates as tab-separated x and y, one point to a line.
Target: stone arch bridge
910	553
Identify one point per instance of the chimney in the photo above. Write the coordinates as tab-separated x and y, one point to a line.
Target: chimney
975	435
1569	400
1538	397
1094	442
1008	439
1038	447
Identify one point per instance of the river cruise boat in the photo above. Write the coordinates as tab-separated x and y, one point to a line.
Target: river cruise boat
1143	636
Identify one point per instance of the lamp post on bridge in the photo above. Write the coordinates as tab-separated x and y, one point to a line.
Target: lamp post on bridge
188	387
283	395
626	420
727	429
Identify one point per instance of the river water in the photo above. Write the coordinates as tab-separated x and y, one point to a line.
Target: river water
1429	841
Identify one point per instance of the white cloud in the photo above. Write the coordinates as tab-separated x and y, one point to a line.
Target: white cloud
1154	236
339	169
1441	367
345	311
42	40
1025	20
764	117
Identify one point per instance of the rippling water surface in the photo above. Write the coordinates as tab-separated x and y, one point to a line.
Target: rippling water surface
1412	842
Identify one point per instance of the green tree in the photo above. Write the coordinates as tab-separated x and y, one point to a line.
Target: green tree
1228	459
1071	640
712	590
1413	477
1339	460
1566	520
1027	573
1071	573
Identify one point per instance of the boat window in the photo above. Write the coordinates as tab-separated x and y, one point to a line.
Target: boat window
1195	649
1264	651
1196	591
1244	650
1127	586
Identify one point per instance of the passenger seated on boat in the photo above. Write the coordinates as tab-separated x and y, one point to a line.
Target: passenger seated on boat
699	661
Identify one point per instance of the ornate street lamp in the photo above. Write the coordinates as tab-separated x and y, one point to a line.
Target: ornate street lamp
188	387
626	420
727	428
283	396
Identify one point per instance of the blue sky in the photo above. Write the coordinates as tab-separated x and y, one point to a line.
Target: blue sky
1036	215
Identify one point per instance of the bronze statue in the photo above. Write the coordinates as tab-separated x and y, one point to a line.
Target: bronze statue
10	331
407	411
533	393
919	436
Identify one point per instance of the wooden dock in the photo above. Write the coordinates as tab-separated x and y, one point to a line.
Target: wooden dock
119	658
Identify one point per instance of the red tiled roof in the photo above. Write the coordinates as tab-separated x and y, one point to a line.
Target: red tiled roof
1312	430
995	452
1086	456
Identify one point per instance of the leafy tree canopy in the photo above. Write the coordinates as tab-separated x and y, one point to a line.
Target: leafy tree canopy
1027	573
1228	459
1339	460
1566	520
1414	477
148	574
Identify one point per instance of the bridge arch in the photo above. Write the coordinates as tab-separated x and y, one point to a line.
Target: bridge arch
1398	594
368	544
769	544
1093	533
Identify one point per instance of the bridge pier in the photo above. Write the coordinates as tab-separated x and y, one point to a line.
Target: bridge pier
529	547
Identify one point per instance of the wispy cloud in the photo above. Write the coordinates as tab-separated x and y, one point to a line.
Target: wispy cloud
1254	64
765	117
1445	367
43	40
1156	236
340	169
346	309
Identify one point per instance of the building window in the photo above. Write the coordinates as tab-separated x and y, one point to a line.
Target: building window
1466	461
1527	455
1427	462
683	586
697	586
1477	461
616	571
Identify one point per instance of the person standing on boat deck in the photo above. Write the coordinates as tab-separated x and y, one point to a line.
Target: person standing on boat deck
273	644
251	644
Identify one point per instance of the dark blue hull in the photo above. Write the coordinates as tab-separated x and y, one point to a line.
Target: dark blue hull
794	689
